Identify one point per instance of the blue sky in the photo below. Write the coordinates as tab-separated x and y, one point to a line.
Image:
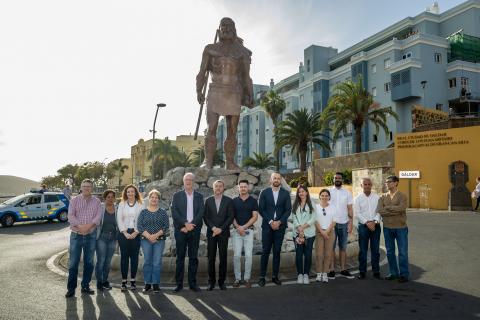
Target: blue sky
79	80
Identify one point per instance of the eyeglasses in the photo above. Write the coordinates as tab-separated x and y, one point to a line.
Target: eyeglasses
324	213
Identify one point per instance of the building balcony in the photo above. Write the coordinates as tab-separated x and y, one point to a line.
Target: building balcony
404	64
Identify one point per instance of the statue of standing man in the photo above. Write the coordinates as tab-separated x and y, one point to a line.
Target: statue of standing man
228	62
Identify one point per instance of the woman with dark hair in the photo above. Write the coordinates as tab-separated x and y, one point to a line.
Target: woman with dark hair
303	233
153	225
107	233
325	236
128	239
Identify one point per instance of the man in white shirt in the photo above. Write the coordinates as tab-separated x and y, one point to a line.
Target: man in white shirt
369	230
341	200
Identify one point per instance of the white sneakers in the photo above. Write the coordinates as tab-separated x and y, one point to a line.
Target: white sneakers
300	279
324	277
306	279
319	277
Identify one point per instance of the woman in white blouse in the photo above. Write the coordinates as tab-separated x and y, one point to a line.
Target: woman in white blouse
128	239
325	236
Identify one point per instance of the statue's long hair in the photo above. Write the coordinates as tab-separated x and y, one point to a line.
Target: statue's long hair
237	38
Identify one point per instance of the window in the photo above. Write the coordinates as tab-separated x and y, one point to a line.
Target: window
374	68
257	117
256	131
301	98
407	55
348	147
387	63
388	86
349	128
375	138
50	198
439	106
438	57
391	135
308	65
464	82
374	91
34	200
452	82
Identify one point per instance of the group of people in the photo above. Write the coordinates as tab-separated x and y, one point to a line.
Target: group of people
96	227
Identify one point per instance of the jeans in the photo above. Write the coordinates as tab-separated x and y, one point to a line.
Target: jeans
401	236
105	249
152	263
341	234
303	255
245	242
129	250
364	237
184	240
78	243
271	238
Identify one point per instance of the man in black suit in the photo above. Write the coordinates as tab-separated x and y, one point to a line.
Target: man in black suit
187	213
218	217
275	206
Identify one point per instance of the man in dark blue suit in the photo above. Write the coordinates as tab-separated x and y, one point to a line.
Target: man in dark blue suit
187	214
274	206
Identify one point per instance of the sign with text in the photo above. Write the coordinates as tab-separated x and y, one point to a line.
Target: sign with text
409	174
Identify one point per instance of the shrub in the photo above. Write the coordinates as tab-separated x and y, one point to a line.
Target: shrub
328	178
300	180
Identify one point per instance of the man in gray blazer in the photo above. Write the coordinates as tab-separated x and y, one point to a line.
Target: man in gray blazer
218	217
187	212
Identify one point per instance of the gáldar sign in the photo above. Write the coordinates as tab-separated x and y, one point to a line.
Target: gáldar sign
409	174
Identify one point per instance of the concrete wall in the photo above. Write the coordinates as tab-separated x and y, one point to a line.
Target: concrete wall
377	175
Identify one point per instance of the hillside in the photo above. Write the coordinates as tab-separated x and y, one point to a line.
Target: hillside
11	185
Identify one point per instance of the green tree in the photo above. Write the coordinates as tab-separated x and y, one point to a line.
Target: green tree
96	171
116	168
182	160
198	155
353	104
299	129
53	182
68	173
274	105
166	155
259	161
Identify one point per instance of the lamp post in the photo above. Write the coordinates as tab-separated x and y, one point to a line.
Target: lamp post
424	84
159	105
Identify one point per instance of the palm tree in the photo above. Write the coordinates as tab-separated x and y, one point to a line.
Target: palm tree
298	130
274	105
119	169
198	155
352	103
165	155
259	161
182	160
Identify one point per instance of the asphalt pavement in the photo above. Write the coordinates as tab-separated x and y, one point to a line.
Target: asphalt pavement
445	283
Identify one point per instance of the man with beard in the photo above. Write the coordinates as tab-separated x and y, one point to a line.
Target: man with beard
275	207
342	201
228	61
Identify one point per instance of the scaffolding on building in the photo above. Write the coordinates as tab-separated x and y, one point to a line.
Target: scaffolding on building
463	47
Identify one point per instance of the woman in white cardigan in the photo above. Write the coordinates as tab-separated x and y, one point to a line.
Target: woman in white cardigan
128	239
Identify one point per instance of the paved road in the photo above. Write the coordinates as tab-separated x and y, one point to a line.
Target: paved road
445	283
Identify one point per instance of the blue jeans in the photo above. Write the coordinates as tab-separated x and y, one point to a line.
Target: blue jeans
364	237
77	244
152	260
341	233
401	236
303	255
105	249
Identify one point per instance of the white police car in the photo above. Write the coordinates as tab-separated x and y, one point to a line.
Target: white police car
34	206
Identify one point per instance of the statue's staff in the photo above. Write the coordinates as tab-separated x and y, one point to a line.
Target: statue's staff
204	91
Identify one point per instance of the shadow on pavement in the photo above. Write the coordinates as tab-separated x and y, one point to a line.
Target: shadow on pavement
33	227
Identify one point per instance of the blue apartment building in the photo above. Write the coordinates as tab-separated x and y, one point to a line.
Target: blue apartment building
431	60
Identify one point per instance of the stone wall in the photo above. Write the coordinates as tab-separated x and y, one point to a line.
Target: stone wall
374	159
377	175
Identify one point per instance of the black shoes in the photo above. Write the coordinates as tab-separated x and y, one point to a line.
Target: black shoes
277	281
402	279
331	275
123	288
70	293
156	288
178	288
87	290
222	286
133	286
147	288
390	277
261	282
346	274
210	286
106	285
361	276
376	275
195	289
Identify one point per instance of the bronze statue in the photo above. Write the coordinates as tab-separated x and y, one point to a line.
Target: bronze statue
228	61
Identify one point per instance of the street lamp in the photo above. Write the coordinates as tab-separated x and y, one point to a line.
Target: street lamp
424	84
159	105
